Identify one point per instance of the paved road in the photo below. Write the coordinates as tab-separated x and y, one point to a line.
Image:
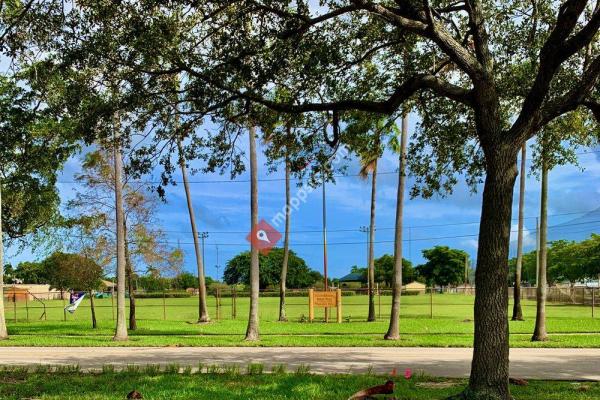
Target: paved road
571	364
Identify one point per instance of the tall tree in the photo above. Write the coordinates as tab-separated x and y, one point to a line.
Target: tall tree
554	148
202	306
393	332
540	334
286	241
93	216
366	142
252	331
282	145
3	330
370	165
517	310
121	328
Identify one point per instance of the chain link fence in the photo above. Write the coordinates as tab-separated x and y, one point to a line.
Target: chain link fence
231	303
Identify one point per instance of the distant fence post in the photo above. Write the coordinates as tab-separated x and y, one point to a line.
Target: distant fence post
379	300
112	302
164	305
593	300
27	305
431	302
339	305
217	303
62	296
234	303
311	306
15	304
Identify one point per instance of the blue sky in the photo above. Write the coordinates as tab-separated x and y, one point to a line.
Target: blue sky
222	209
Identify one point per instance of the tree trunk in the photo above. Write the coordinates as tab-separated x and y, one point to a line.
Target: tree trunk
130	288
489	369
540	334
371	271
202	307
286	245
517	310
3	330
252	332
94	324
121	328
393	332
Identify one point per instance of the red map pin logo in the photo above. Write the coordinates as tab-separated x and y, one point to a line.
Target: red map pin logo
263	237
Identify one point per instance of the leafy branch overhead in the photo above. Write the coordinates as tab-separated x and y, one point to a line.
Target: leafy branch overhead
463	66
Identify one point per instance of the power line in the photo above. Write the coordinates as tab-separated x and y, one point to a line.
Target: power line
375	242
389	228
220	181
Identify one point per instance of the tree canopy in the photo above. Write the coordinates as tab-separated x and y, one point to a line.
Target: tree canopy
568	261
299	274
34	145
72	271
444	266
384	270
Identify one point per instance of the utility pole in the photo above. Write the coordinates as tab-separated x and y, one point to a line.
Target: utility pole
410	243
366	229
202	236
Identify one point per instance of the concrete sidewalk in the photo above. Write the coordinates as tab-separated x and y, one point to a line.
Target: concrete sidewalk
567	364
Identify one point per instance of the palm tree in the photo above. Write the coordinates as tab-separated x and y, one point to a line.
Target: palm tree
252	332
517	310
286	242
121	329
540	333
202	307
393	332
3	330
370	165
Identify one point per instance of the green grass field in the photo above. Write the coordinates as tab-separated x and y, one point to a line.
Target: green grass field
229	384
451	325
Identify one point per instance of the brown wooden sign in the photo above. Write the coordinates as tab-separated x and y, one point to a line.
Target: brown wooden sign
324	299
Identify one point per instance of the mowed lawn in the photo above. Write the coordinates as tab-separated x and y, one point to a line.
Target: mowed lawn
229	384
172	324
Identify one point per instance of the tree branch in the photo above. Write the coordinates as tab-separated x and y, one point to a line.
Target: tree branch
400	95
573	99
310	22
594	107
419	23
480	35
555	51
